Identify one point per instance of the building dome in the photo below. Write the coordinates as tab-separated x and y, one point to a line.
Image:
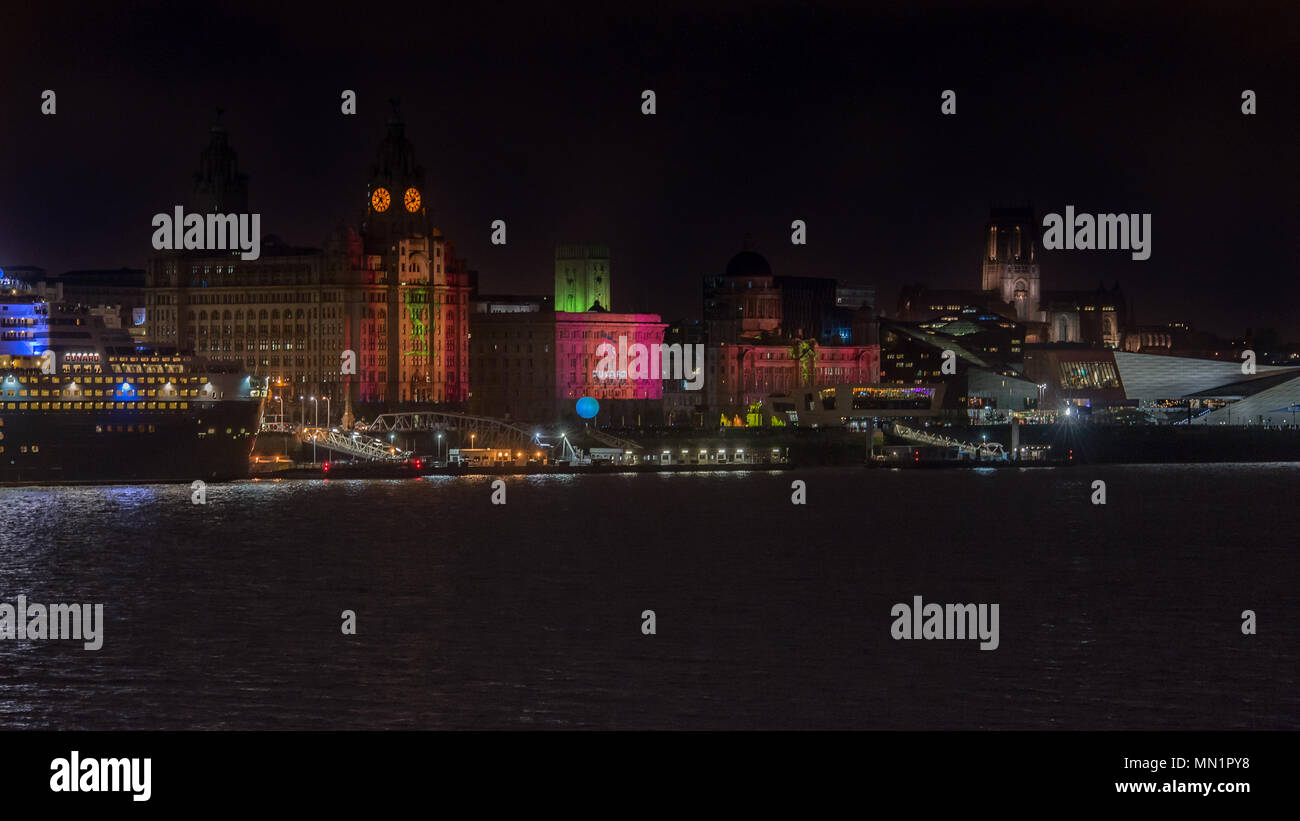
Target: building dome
748	264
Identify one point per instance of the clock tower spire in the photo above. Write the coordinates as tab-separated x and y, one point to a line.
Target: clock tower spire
395	198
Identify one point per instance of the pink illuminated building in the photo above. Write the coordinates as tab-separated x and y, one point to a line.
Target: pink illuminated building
578	336
535	365
745	372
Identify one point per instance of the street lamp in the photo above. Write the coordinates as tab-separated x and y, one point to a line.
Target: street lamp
316	409
439	447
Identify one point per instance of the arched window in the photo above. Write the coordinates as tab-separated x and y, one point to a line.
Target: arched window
1062	330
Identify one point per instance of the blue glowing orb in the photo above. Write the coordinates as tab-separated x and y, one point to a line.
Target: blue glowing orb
588	407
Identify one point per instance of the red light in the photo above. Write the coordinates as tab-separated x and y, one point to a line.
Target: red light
327	467
419	464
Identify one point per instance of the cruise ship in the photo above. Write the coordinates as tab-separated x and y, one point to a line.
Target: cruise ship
82	401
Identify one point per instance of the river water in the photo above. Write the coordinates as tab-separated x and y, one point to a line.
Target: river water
767	614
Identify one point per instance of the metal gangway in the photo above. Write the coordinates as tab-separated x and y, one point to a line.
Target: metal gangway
981	451
483	431
613	441
1193	421
353	443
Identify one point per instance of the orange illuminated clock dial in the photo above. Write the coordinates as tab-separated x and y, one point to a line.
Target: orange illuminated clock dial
380	200
412	200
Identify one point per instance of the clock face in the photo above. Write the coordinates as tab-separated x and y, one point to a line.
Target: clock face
412	199
380	200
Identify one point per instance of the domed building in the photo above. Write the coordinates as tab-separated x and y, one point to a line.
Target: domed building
748	263
773	335
745	302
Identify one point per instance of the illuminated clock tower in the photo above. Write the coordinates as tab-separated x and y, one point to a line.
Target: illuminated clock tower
396	206
411	308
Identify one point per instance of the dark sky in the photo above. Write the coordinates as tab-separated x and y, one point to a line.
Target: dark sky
767	112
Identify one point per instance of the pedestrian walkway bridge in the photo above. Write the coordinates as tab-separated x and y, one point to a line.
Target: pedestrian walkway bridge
368	440
979	451
483	431
613	441
353	443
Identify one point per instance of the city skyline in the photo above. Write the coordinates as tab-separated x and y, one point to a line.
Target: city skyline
892	191
927	367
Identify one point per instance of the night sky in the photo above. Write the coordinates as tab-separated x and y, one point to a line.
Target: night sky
766	113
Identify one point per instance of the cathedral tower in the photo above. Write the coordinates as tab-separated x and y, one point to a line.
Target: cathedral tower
1011	260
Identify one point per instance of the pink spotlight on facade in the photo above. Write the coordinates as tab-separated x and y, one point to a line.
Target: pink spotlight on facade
578	336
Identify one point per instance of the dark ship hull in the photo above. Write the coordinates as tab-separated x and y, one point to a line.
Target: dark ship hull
211	441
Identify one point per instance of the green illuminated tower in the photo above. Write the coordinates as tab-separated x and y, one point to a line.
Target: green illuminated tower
581	277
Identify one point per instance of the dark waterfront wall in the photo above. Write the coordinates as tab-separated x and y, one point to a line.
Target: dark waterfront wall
1134	444
802	446
812	447
1115	444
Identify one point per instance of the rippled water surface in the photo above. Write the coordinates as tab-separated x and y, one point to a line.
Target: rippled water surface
227	615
